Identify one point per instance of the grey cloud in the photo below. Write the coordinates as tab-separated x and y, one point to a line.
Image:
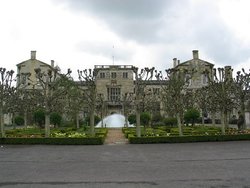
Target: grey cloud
105	49
181	26
137	20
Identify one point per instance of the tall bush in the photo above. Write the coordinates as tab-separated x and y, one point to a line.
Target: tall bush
145	118
55	119
191	116
39	117
132	119
19	120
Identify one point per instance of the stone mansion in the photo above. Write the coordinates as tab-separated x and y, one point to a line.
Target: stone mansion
113	82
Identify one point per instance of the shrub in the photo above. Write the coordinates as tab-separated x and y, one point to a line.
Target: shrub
39	117
191	115
87	120
55	119
55	141
19	120
156	118
183	139
145	118
170	121
132	119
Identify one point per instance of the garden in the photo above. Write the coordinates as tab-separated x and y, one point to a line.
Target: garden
198	133
165	130
62	135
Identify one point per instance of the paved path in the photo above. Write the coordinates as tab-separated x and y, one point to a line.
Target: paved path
189	165
115	136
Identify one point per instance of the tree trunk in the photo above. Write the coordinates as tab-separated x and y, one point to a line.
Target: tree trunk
202	118
25	118
2	122
226	120
222	123
213	118
47	125
243	113
92	122
77	121
138	123
126	120
179	124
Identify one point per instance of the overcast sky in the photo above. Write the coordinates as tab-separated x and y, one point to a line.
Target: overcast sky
79	34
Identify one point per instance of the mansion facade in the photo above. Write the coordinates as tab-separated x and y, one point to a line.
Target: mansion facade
116	83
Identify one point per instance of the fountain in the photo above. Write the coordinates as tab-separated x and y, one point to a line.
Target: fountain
113	121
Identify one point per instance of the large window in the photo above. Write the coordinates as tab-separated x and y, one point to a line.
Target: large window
102	74
114	94
113	74
125	74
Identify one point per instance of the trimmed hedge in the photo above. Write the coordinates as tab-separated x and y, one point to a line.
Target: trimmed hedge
55	141
184	139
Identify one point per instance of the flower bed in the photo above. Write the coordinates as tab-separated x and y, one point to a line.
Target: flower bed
69	136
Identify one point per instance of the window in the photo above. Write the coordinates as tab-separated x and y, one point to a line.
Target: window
102	74
204	79
113	74
114	94
156	91
188	79
125	75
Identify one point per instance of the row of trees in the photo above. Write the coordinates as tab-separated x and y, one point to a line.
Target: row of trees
58	93
222	94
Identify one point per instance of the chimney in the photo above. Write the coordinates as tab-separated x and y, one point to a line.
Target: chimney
33	55
178	62
52	63
175	62
195	54
228	72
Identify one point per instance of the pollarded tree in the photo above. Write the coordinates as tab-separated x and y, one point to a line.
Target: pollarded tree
221	90
174	87
73	102
87	79
151	101
242	82
6	91
201	100
141	77
51	86
127	104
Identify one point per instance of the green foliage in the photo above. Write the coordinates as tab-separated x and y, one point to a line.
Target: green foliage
170	121
55	141
184	139
145	118
55	119
19	120
39	117
156	118
191	115
87	120
132	119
